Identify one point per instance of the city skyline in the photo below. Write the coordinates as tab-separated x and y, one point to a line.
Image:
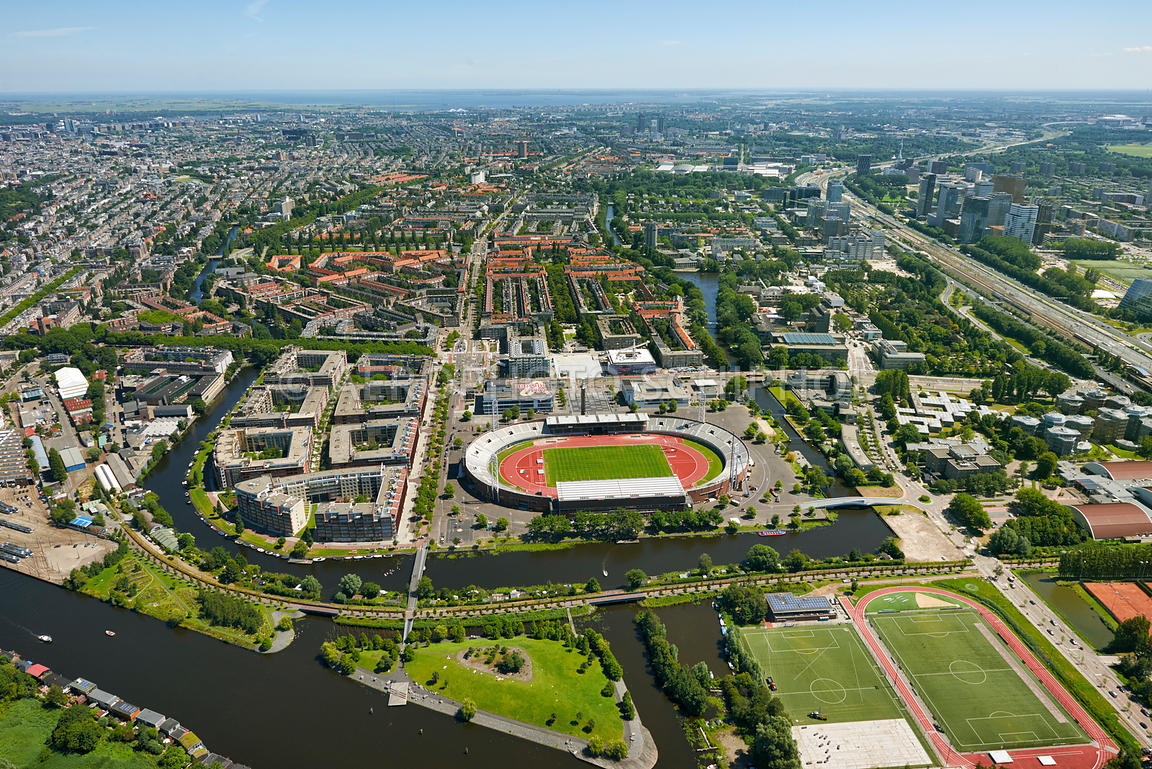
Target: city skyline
70	47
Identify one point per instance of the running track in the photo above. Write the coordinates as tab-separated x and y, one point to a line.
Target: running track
520	468
1088	756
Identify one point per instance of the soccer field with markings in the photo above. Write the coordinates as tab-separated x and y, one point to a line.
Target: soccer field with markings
597	463
825	668
977	689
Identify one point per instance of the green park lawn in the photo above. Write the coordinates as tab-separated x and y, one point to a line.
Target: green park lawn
1135	150
24	729
556	686
597	463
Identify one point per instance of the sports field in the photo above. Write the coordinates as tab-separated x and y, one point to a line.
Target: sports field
825	668
597	463
977	689
1135	150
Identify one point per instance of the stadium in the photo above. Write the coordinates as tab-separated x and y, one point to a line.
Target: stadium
604	462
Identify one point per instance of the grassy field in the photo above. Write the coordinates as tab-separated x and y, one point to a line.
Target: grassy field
1135	150
597	463
1121	270
977	689
556	686
825	668
24	729
909	600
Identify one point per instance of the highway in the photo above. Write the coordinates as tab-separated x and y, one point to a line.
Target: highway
1042	310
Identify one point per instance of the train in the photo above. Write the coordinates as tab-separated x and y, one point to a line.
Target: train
16	550
16	526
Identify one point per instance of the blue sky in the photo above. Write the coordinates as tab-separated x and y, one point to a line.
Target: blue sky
218	45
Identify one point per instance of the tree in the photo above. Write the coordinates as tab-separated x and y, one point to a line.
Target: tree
968	510
747	605
705	564
636	578
1131	635
761	558
55	696
424	589
481	521
501	524
467	710
1046	464
774	747
592	586
56	469
370	590
76	731
310	586
349	584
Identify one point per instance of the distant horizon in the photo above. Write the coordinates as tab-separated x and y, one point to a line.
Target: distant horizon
225	46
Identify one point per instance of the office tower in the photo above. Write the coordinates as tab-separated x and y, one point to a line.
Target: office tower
998	205
947	202
650	234
973	219
863	165
937	167
835	191
927	191
641	125
522	148
1009	183
659	124
982	189
1139	296
1021	222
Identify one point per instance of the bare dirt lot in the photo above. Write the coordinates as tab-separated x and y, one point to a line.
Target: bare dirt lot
55	552
920	539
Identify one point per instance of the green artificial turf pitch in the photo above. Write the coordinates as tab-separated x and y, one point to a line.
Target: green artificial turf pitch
825	668
597	463
978	690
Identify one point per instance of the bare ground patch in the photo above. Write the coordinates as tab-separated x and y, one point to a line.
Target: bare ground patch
479	656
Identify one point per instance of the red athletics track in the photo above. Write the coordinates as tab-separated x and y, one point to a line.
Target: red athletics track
688	464
1088	756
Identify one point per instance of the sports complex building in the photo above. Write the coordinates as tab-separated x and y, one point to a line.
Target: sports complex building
606	461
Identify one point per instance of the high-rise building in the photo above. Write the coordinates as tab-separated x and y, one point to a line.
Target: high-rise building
522	148
835	191
998	205
651	233
937	167
659	124
863	165
1012	183
973	219
1139	297
1021	222
947	203
641	123
927	191
982	189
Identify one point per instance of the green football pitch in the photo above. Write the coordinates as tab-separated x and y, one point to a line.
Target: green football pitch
597	463
978	690
825	668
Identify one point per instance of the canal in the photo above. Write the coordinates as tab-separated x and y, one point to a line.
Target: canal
1071	607
856	527
198	287
709	285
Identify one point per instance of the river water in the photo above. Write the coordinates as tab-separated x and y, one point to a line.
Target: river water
1064	600
709	285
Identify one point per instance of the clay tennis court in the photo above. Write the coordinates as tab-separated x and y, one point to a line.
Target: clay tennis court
524	468
1124	600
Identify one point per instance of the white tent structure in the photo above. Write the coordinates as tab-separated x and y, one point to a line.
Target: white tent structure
71	383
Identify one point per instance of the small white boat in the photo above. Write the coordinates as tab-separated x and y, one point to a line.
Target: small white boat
110	633
44	638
